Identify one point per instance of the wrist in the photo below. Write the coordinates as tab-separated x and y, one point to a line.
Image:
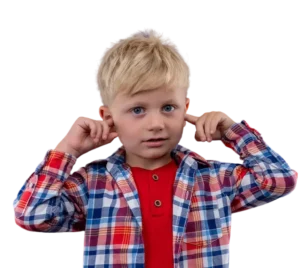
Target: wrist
63	147
227	126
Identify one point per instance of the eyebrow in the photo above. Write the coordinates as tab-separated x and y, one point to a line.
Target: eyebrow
145	103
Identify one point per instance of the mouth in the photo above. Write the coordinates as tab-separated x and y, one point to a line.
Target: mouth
155	142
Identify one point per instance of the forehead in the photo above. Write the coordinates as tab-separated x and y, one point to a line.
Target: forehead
152	95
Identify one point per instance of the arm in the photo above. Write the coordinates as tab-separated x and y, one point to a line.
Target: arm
264	175
52	200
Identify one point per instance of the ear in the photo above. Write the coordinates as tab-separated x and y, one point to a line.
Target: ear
104	112
187	103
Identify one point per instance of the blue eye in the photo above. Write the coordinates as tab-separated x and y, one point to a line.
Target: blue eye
135	108
141	107
169	105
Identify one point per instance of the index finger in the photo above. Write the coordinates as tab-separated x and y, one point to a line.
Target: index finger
109	121
190	118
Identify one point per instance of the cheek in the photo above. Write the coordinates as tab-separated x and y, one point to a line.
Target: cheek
180	123
127	132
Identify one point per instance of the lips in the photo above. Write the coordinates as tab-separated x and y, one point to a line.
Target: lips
156	140
152	143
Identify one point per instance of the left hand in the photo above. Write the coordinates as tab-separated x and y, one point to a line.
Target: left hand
210	126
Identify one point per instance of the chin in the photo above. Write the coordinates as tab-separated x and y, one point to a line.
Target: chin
154	155
157	150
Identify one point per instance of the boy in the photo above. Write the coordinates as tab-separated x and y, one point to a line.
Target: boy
151	203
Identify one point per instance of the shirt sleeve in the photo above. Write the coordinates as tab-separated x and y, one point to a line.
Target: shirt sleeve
264	175
52	200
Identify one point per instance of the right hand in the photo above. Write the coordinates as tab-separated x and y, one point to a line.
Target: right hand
87	134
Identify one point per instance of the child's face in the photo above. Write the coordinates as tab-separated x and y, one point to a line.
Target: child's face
144	116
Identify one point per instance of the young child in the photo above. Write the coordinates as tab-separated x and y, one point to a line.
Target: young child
153	204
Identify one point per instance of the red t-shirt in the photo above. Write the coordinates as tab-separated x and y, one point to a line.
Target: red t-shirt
155	190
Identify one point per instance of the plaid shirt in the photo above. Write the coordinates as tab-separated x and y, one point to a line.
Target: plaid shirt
102	199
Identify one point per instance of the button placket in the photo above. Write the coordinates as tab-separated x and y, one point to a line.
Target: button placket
157	209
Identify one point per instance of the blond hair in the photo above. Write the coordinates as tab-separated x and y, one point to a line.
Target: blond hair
138	63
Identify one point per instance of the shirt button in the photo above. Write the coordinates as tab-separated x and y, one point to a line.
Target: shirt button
157	203
155	177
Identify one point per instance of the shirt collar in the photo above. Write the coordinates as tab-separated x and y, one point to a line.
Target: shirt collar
178	153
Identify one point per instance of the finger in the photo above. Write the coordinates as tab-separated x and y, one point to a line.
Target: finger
190	118
109	121
213	126
99	131
105	130
199	127
112	135
196	138
209	119
93	128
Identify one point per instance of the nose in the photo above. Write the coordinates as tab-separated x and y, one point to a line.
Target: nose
156	121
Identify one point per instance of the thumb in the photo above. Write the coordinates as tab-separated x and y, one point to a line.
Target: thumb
109	140
190	118
112	136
